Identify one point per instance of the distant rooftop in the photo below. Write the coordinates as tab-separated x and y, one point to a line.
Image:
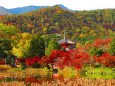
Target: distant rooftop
65	41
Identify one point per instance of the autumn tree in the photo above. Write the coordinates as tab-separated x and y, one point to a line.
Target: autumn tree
111	49
37	46
52	45
5	51
21	45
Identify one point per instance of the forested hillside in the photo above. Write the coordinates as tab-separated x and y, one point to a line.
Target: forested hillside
25	9
56	19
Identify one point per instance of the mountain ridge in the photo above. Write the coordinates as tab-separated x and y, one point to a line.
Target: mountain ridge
55	20
4	11
25	9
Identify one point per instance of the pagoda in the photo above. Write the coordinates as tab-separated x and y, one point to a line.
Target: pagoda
65	43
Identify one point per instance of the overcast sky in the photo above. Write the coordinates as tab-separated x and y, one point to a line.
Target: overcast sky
71	4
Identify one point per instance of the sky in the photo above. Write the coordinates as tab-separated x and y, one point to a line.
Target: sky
71	4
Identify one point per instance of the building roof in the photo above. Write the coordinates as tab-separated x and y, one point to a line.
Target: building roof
65	41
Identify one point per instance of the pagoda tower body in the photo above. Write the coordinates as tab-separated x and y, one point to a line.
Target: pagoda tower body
65	43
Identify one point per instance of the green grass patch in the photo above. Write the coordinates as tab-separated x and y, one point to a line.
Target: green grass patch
100	73
68	72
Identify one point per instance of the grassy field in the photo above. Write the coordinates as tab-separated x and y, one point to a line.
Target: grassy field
7	71
30	77
100	73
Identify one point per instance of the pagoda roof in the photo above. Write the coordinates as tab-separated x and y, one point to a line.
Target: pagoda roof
65	41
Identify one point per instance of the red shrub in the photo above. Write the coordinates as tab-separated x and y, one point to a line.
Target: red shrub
44	60
20	60
106	59
2	62
79	59
100	42
68	58
31	61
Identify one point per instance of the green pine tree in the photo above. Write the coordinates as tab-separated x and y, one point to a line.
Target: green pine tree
37	47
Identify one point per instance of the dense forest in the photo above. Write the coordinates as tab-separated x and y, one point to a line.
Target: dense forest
87	25
55	19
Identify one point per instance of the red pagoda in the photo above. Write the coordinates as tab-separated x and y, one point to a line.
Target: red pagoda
65	43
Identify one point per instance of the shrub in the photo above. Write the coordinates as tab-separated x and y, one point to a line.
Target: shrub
106	59
32	61
111	49
95	51
23	66
69	72
68	58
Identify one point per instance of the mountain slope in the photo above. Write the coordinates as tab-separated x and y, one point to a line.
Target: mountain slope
63	7
55	19
4	11
21	10
25	9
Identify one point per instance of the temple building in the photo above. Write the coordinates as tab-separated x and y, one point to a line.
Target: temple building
65	43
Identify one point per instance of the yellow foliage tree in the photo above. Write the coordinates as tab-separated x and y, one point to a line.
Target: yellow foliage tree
23	45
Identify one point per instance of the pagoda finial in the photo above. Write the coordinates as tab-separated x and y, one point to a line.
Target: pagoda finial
64	35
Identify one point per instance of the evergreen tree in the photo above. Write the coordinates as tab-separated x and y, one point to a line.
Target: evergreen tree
52	45
37	47
2	53
112	47
5	52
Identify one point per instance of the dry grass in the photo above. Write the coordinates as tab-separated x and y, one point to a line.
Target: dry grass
4	68
7	71
16	73
66	82
80	82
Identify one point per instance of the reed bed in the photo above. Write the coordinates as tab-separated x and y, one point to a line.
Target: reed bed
17	73
66	82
